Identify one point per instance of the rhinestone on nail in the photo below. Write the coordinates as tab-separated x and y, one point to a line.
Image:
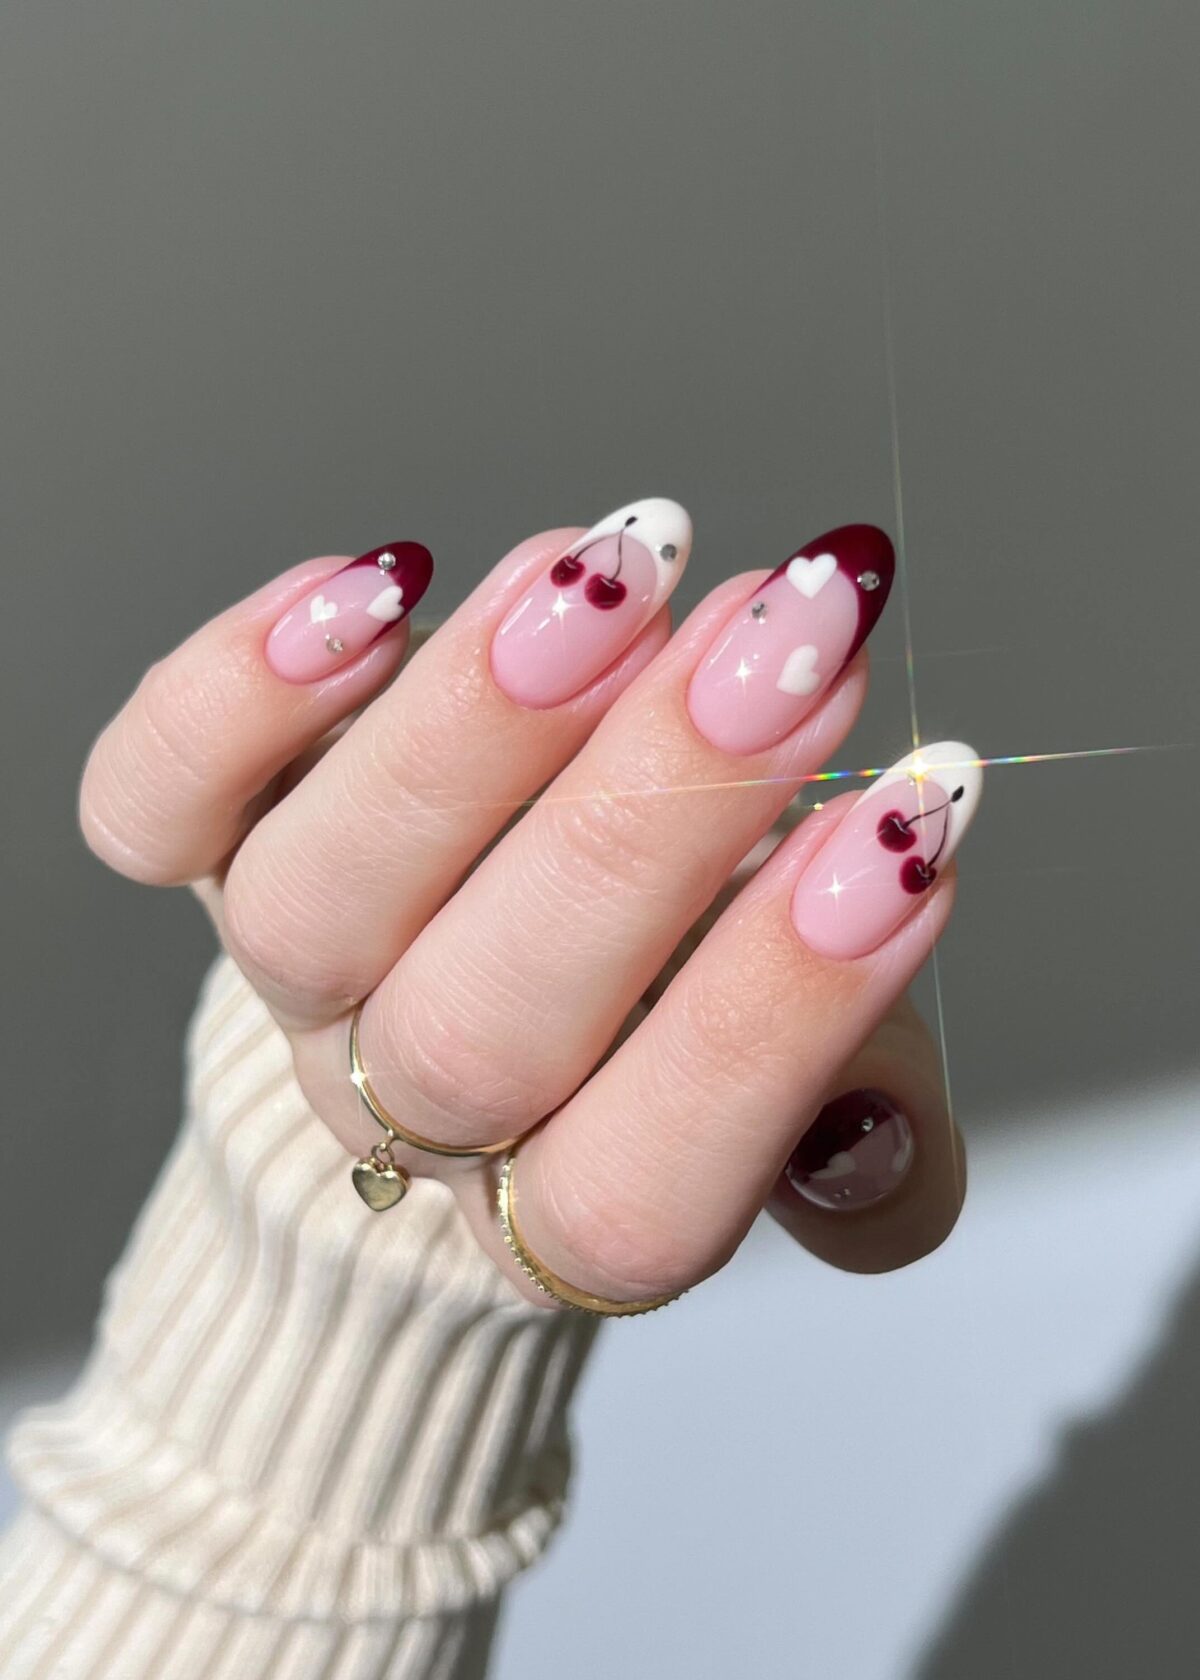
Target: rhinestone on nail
387	561
868	580
758	610
868	1124
668	551
335	644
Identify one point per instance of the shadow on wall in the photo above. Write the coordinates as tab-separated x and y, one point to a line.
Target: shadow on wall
1094	1575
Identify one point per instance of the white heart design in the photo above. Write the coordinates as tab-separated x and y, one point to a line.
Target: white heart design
319	609
840	1165
386	605
810	576
800	674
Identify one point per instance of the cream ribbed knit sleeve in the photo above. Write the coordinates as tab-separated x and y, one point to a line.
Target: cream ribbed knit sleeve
312	1443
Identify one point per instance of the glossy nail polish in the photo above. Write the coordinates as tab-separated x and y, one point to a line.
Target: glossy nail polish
339	620
887	851
785	644
856	1152
586	608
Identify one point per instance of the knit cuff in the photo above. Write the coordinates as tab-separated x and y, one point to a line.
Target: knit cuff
299	1410
66	1613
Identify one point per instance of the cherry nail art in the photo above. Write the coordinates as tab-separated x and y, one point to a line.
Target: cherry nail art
856	1152
348	612
887	851
788	641
589	605
566	571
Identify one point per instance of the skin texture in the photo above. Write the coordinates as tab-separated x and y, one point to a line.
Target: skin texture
495	988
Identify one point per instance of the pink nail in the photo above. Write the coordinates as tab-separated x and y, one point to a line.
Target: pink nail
783	647
589	605
856	1152
336	622
887	851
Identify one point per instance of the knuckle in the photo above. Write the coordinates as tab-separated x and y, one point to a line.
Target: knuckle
628	1252
271	943
249	937
119	816
609	844
459	1080
409	744
397	785
123	853
176	714
101	820
158	800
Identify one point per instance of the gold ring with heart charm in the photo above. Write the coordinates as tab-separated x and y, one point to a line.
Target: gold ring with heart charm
378	1178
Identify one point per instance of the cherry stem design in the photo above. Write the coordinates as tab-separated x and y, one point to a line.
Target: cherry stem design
910	822
580	552
632	520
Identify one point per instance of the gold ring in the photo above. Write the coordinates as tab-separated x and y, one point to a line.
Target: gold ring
549	1282
395	1131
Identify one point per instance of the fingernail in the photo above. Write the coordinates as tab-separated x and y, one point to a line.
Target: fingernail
787	642
336	622
855	1152
887	851
588	606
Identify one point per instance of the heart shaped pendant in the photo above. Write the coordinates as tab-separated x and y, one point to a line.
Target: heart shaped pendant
380	1186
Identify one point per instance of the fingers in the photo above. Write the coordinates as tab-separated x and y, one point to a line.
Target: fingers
168	785
648	1178
338	879
575	912
571	917
878	1179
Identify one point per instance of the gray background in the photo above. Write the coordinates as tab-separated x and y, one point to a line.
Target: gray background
284	280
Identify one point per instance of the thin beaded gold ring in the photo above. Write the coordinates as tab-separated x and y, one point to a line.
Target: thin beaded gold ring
549	1282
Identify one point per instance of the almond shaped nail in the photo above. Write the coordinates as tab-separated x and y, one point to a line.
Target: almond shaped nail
783	647
343	616
887	851
586	607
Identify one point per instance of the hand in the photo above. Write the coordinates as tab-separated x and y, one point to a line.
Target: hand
523	835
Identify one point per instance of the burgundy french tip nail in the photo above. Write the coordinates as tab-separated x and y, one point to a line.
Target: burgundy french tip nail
788	641
856	1152
340	619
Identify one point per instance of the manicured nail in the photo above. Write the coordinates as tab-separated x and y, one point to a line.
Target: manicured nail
589	605
855	1152
887	851
786	643
350	610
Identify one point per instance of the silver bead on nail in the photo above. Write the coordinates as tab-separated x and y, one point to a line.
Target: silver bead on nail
335	644
668	551
868	580
387	561
758	610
